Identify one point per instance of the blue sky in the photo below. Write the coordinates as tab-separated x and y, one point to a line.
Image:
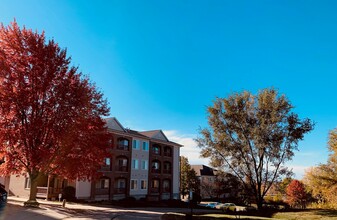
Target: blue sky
160	63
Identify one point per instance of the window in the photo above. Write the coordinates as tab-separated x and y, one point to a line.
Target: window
167	151
145	146
143	184
121	184
122	164
156	149
135	144
123	144
134	184
145	164
102	184
155	167
27	183
167	167
107	161
155	184
166	186
135	164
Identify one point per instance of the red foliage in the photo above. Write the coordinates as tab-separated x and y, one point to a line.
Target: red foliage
296	194
50	114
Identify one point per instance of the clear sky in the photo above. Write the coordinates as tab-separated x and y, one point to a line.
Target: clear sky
160	63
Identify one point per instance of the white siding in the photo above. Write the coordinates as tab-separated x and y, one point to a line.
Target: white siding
83	189
139	174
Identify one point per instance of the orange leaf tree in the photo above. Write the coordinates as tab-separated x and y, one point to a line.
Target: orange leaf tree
50	114
296	194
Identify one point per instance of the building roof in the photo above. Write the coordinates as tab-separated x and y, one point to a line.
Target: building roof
114	124
154	135
159	136
136	133
203	170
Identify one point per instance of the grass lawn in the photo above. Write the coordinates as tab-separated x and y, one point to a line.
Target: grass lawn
308	214
293	215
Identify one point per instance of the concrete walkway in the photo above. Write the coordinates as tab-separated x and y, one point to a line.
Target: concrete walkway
52	210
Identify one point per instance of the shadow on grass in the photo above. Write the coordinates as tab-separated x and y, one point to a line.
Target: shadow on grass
205	217
326	213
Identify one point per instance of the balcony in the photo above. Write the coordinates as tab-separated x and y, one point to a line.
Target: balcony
154	190
153	170
167	154
167	171
102	191
123	147
122	168
52	192
105	168
120	190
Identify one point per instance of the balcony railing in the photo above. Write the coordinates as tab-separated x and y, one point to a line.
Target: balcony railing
122	168
42	192
166	189
167	154
167	171
122	147
101	191
154	190
155	170
119	190
105	168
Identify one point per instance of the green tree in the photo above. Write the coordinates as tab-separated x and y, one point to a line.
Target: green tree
253	136
188	178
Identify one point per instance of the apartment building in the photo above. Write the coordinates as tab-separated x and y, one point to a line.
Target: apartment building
207	177
142	165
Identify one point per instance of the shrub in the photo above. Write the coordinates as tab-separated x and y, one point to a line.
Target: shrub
68	193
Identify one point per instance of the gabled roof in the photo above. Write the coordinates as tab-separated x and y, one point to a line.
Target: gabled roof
114	124
203	170
137	133
156	134
159	136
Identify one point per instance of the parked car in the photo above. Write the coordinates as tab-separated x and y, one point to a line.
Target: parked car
227	207
3	195
212	204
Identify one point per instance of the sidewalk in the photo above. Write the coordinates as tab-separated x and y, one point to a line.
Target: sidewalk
52	210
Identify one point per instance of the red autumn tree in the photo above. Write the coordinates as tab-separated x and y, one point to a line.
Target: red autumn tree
296	194
50	114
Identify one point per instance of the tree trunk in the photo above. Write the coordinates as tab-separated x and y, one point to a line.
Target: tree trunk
34	180
259	201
